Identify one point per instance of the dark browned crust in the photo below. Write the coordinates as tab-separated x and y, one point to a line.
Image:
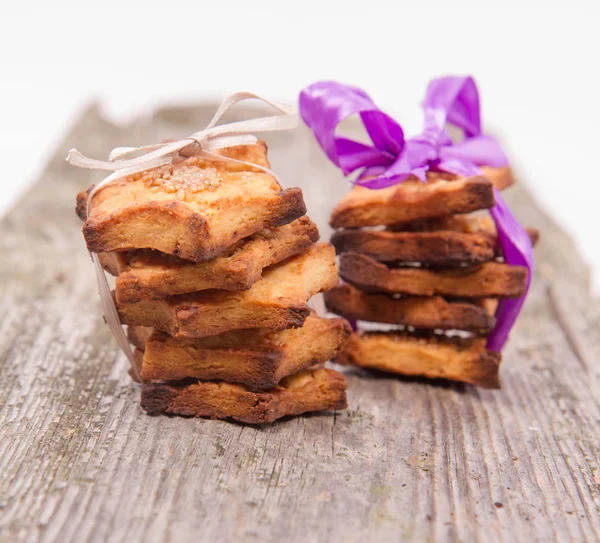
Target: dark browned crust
435	357
431	313
442	248
491	279
156	399
410	201
81	203
325	390
257	358
290	207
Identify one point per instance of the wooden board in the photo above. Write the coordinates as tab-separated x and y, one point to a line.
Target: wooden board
409	460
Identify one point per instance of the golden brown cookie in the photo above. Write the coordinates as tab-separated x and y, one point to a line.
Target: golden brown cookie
412	200
195	209
306	391
276	301
419	312
257	358
146	274
490	279
465	360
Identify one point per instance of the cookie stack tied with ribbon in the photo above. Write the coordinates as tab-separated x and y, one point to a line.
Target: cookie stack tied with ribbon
215	264
443	281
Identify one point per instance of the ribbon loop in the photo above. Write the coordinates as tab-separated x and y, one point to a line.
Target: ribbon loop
326	104
211	138
453	100
392	159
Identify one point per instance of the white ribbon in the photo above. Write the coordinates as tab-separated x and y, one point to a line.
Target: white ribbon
124	161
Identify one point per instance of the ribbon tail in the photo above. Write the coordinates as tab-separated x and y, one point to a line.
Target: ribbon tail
112	317
518	251
158	152
325	104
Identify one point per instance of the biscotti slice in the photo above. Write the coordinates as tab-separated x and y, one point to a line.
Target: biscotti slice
412	200
491	279
195	209
432	313
276	301
306	391
147	274
457	359
257	358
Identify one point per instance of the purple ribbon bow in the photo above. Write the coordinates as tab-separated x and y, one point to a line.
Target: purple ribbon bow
392	159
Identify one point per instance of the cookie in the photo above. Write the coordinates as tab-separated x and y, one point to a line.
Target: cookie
147	274
465	360
432	313
277	301
306	391
194	209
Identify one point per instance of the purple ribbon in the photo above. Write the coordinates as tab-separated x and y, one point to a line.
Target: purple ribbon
392	159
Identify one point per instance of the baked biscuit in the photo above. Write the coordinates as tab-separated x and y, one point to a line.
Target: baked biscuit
146	274
465	360
491	279
412	200
195	209
276	301
449	242
441	248
257	358
431	313
476	223
306	391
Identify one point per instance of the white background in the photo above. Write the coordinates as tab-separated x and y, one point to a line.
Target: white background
536	63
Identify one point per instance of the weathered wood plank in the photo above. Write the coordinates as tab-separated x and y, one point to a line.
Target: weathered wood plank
409	460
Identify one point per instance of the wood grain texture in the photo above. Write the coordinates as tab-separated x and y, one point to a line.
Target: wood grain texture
408	460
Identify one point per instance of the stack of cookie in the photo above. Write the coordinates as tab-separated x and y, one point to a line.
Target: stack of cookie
214	267
432	268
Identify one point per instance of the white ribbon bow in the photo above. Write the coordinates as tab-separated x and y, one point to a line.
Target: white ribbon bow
124	161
